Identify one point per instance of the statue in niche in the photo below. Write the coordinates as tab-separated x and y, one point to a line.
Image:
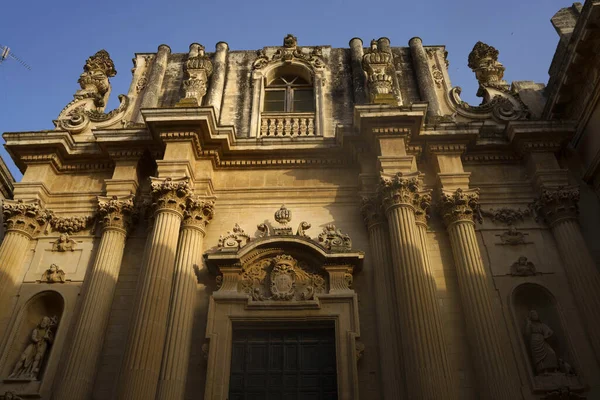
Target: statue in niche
522	267
543	355
28	366
64	243
54	275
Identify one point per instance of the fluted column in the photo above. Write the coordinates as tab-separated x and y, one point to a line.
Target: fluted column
559	207
428	373
22	221
358	75
146	339
151	93
87	337
388	335
424	79
173	372
491	366
217	85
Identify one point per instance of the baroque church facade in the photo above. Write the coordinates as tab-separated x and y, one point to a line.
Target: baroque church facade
309	222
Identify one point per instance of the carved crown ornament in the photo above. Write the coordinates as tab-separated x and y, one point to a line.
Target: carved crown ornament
288	53
499	102
378	65
86	110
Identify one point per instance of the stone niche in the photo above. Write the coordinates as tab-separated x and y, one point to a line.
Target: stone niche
30	343
545	342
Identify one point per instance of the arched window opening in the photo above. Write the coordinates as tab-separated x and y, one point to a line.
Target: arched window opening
289	93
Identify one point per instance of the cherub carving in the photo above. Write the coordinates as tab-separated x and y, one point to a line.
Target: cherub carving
522	267
54	274
64	243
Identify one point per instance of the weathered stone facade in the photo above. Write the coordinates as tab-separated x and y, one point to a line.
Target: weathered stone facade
446	245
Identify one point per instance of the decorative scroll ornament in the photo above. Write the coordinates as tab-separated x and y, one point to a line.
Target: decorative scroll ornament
198	69
198	212
437	75
53	275
27	217
290	52
499	102
460	205
64	243
116	212
334	240
235	239
522	267
86	111
557	204
281	278
170	193
283	216
507	216
377	63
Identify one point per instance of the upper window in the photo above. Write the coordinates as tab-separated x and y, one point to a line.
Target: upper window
289	93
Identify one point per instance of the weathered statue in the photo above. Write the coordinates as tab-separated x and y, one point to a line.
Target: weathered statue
54	275
64	243
543	356
28	366
523	267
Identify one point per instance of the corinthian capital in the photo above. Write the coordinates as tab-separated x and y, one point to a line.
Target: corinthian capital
371	211
399	190
198	213
460	205
170	194
116	212
556	204
422	202
26	217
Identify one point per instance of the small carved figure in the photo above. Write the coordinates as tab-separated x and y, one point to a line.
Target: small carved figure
28	366
522	267
543	356
54	274
64	243
565	367
512	237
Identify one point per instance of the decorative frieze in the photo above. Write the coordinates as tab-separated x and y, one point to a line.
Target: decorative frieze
116	212
170	194
556	204
26	217
460	205
70	225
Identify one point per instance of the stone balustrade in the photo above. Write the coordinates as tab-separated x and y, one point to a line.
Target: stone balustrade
287	125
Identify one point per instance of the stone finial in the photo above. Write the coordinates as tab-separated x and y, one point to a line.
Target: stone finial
94	79
198	69
377	63
290	41
334	240
283	215
483	60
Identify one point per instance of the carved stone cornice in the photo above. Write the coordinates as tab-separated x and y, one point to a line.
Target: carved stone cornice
460	206
557	204
371	211
198	213
27	217
399	190
116	212
170	194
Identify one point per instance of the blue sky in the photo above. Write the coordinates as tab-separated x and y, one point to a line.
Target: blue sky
56	37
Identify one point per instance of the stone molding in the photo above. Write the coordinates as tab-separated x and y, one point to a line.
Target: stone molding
170	194
116	212
26	217
557	204
460	206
